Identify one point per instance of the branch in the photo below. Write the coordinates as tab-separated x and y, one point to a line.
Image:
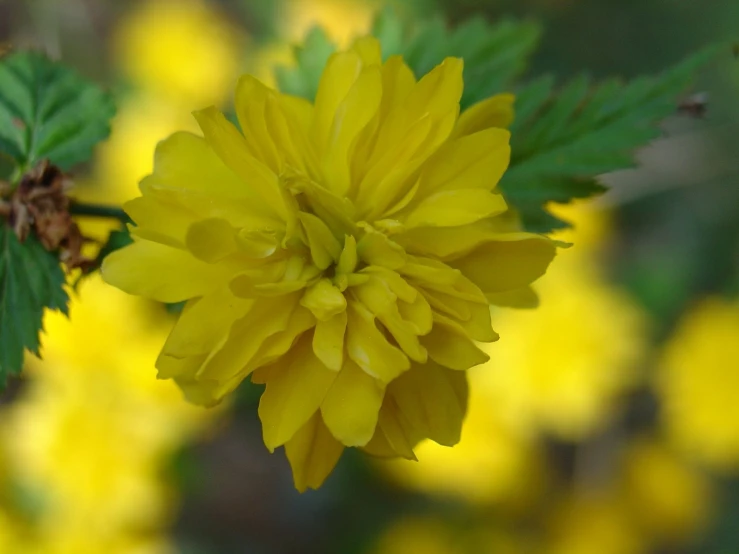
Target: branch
98	210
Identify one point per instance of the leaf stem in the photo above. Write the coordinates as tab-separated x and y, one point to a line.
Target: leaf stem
98	210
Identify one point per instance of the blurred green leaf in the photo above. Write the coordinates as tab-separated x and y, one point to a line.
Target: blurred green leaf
494	54
49	111
31	280
561	141
310	59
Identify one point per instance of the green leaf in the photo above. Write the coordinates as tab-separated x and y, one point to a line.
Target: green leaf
310	59
562	141
494	54
49	111
31	280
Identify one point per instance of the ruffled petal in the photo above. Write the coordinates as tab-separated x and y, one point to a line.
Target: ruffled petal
368	347
233	150
352	404
161	273
434	400
293	394
313	453
496	111
450	346
512	261
204	322
452	208
328	341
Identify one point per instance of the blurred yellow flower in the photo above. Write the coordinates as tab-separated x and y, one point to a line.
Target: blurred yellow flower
698	384
343	20
434	535
183	50
564	366
591	226
493	462
62	541
91	431
339	253
593	522
669	500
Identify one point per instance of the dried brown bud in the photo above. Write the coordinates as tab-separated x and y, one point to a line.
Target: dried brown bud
40	202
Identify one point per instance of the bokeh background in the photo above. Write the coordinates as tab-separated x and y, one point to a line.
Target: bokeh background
607	421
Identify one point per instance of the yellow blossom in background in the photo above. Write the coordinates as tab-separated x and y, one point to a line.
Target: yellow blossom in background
593	522
61	541
182	50
591	226
340	253
343	20
698	384
669	500
90	433
493	461
565	366
435	535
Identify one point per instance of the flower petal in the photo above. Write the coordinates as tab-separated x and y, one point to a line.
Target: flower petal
394	436
342	70
187	162
523	298
266	318
352	115
512	261
161	273
324	300
375	248
204	322
232	149
452	208
250	101
313	453
368	347
449	346
352	404
328	341
434	400
211	239
496	111
324	248
471	162
293	394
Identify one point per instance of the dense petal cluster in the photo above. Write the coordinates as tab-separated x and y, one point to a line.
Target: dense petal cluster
343	253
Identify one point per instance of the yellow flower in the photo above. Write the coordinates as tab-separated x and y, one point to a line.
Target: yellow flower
92	429
342	19
181	49
698	383
670	501
594	521
564	366
433	535
493	462
339	253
